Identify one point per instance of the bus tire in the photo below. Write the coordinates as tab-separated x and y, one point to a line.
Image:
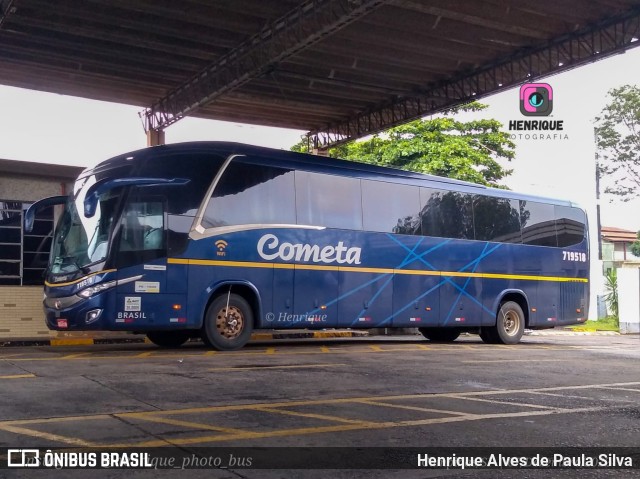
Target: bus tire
443	335
228	330
510	323
168	339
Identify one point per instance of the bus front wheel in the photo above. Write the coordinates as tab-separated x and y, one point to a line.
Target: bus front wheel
168	339
510	324
444	335
228	323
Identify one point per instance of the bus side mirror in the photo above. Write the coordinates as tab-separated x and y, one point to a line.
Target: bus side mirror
97	189
30	214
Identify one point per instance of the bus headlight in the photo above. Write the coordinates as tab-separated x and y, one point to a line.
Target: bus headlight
92	316
92	290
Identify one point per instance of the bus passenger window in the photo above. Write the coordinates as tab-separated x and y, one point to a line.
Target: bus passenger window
328	200
570	225
496	219
446	214
390	207
538	224
249	194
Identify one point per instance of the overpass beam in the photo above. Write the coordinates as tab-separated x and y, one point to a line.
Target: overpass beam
563	53
297	30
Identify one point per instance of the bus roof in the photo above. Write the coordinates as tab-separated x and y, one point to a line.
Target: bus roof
314	162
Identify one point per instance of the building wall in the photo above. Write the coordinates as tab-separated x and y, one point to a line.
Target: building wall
623	252
21	317
21	313
16	188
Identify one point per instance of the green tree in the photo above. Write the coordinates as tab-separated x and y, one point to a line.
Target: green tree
635	246
618	142
611	291
442	146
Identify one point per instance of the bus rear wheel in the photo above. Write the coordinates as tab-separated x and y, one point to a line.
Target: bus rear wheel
228	323
509	326
168	339
444	335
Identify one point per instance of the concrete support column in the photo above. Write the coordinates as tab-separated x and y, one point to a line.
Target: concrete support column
629	300
155	137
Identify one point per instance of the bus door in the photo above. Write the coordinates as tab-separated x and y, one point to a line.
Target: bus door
141	260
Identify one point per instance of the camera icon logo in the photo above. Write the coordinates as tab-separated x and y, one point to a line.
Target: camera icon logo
536	99
23	458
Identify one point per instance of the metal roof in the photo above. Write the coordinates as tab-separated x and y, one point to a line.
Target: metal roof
33	169
337	68
618	235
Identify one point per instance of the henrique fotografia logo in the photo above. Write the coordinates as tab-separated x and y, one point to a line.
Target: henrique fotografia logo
536	99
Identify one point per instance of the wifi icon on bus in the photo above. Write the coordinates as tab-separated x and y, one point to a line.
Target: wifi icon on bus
221	245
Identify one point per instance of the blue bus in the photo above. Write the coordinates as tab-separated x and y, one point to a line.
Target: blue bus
216	240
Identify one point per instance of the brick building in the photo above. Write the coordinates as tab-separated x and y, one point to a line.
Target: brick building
23	257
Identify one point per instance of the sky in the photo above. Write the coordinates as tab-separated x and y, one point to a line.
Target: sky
51	128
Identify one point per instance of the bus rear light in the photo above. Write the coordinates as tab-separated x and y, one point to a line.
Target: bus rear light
92	316
578	310
177	306
62	323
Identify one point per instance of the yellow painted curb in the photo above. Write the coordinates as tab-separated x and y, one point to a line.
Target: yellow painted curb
258	336
72	342
333	334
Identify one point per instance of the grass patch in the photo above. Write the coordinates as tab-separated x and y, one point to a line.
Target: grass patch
607	324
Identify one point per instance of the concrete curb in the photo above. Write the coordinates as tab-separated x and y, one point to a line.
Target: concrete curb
259	336
560	332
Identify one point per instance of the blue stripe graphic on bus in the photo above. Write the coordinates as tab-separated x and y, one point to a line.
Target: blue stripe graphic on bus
466	283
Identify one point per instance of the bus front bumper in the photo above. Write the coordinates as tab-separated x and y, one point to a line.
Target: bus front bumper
73	313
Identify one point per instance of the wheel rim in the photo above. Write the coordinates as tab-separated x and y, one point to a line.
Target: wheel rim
511	323
230	322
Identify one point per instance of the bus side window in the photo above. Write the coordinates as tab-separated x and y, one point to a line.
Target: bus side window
391	207
328	200
538	224
570	225
496	219
446	214
251	194
142	232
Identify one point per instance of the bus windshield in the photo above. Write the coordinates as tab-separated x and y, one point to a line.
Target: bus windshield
80	241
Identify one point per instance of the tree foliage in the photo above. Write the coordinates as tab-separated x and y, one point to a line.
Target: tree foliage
635	246
442	146
618	142
611	291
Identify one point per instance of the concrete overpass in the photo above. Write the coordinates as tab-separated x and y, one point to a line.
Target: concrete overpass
340	69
